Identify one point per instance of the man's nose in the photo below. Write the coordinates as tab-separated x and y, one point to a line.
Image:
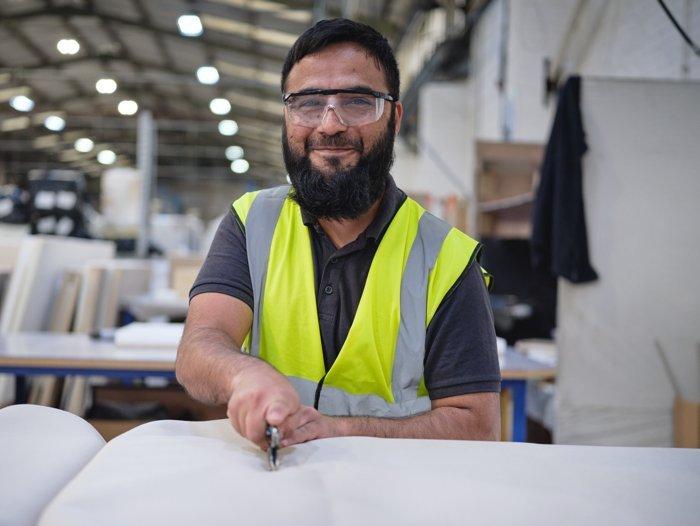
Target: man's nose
331	122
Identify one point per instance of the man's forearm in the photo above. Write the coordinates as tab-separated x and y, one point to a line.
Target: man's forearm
207	361
447	423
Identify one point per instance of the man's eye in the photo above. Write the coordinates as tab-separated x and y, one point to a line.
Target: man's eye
359	101
308	103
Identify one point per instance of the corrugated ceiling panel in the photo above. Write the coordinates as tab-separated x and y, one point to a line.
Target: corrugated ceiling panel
121	8
54	88
93	31
140	43
12	52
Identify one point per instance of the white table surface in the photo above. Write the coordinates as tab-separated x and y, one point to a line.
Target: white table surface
148	306
70	350
516	365
37	348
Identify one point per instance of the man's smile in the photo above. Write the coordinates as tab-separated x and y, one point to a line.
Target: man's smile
329	150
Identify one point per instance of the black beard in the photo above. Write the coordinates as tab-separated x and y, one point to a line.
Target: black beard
346	193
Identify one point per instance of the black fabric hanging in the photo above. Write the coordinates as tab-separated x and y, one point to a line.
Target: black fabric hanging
559	239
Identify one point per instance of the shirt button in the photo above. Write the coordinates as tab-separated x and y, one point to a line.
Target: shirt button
328	289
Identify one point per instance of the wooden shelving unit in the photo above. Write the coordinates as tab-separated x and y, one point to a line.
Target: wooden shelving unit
507	175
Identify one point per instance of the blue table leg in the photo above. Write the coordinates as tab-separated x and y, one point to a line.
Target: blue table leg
518	390
21	389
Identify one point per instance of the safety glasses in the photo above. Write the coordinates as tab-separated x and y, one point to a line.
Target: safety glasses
353	107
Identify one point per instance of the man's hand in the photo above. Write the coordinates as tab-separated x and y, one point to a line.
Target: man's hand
464	417
260	396
308	424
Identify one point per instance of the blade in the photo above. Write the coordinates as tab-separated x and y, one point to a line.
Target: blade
273	437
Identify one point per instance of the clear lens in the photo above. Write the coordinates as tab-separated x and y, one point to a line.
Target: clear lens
353	109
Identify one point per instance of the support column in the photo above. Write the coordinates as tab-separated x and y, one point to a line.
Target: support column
146	164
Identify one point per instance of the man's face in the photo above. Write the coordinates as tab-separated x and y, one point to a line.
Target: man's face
336	169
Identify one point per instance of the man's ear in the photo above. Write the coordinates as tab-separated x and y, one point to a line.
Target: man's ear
399	114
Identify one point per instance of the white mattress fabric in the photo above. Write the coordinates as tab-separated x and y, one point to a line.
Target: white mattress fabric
173	472
41	450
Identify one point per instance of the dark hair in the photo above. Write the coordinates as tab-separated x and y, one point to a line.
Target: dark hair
336	31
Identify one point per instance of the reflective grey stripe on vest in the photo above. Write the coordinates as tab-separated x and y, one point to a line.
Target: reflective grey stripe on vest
339	403
260	226
410	345
306	389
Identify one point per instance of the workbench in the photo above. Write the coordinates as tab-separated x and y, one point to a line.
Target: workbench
27	354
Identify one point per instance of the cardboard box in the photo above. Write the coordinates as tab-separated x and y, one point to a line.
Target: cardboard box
686	423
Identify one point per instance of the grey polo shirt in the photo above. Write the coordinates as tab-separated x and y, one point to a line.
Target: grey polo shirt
460	355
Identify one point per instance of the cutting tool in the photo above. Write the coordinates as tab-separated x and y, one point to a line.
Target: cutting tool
273	438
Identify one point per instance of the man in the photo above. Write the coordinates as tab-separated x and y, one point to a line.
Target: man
362	314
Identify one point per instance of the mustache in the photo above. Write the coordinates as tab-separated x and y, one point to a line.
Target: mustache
333	141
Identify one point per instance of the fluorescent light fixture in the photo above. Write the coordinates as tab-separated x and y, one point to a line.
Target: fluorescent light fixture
22	103
240	166
234	152
106	86
54	123
84	145
220	106
106	157
128	107
68	46
207	75
190	25
228	127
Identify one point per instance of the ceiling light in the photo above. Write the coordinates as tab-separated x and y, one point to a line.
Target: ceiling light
106	157
84	145
228	127
190	25
128	107
54	123
234	152
220	106
106	86
22	103
240	166
208	75
68	46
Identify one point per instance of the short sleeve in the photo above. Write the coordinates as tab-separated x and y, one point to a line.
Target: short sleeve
461	356
225	269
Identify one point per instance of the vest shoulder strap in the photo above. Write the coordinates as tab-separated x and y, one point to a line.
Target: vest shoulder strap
457	252
243	204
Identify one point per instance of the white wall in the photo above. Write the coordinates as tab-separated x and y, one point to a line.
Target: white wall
641	190
536	31
483	76
451	116
614	38
631	39
446	120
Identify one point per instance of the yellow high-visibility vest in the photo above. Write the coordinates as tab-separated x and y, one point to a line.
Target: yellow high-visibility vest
379	369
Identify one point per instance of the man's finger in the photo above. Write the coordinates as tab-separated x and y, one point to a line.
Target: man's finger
255	429
277	412
302	434
294	421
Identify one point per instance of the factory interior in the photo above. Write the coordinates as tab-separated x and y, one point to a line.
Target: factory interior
552	143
